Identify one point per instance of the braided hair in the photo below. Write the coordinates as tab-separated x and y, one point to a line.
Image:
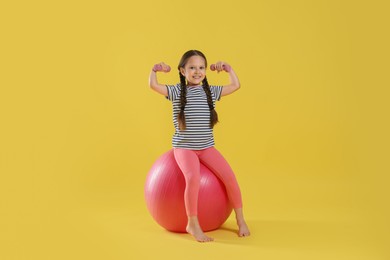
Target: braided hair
213	113
183	91
183	101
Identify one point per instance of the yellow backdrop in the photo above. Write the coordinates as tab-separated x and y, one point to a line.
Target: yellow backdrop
307	134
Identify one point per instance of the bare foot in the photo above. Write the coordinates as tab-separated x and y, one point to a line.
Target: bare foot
197	233
243	230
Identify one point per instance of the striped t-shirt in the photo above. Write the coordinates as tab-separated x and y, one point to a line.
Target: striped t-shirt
198	135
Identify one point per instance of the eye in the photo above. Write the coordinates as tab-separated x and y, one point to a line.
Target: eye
202	68
192	67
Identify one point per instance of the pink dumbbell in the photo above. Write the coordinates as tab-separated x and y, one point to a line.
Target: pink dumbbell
158	67
226	68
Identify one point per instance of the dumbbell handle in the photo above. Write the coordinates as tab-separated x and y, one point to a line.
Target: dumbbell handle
225	67
158	67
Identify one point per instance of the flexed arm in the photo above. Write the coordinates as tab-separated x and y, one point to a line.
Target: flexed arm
234	81
153	83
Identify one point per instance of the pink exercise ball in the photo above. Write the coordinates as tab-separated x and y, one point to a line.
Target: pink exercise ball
164	195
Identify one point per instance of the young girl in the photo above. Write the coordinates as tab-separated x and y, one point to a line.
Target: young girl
194	116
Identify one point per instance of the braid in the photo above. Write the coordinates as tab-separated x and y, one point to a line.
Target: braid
213	113
183	101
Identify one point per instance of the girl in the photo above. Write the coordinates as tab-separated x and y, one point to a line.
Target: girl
194	117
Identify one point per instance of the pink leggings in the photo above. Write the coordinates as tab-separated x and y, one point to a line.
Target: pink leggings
189	163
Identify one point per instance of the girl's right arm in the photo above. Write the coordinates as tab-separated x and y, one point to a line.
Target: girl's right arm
153	83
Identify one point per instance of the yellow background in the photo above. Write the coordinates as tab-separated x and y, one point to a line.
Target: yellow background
307	134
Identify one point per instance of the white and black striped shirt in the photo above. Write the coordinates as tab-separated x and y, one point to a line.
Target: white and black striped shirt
198	135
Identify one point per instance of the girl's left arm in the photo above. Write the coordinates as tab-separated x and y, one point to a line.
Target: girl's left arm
234	81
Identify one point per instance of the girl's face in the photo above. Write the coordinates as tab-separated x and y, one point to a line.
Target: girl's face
194	70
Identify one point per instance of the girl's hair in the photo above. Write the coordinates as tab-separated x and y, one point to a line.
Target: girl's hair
183	91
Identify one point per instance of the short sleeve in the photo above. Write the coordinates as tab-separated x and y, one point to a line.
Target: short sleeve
217	91
173	92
